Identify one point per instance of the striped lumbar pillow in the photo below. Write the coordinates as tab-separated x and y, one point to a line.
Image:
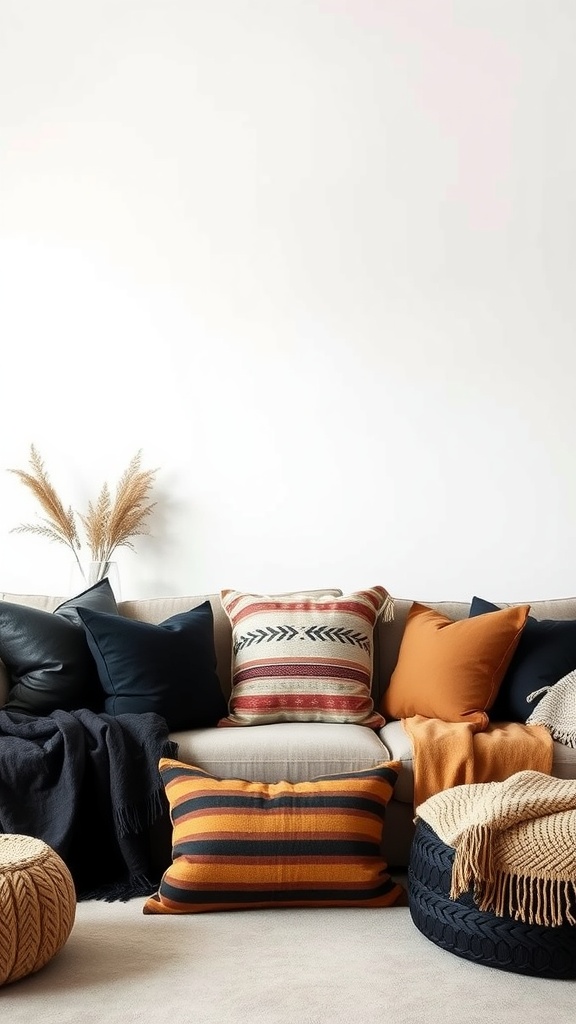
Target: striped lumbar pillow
303	658
238	845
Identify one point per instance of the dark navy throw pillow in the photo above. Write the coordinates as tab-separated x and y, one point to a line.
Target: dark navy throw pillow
545	653
168	668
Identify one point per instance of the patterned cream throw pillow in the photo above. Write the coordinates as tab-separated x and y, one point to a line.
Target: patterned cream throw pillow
303	658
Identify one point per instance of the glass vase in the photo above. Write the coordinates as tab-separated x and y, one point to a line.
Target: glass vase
85	576
97	571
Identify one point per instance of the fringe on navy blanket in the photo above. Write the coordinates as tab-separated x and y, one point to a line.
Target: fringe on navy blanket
88	785
130	821
138	817
121	890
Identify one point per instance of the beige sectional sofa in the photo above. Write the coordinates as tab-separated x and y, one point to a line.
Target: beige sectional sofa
303	750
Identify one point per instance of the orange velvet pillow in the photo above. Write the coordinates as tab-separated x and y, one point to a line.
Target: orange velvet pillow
452	669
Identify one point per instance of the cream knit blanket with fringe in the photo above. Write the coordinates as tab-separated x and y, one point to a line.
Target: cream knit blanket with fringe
557	709
515	845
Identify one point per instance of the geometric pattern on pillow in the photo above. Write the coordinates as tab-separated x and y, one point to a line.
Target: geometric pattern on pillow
241	845
303	658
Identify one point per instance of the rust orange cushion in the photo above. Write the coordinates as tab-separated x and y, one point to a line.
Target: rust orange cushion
452	669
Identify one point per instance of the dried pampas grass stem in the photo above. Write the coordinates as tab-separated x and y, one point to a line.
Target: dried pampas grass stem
108	523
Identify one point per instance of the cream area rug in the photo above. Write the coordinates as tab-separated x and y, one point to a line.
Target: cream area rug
309	966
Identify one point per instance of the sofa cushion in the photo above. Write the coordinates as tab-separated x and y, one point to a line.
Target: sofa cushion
49	663
169	668
243	845
284	751
545	653
399	746
299	658
452	669
564	761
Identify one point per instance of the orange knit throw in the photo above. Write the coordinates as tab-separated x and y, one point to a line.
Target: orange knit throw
448	754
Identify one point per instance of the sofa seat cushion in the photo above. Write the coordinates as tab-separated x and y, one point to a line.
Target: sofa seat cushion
398	743
564	761
295	751
399	746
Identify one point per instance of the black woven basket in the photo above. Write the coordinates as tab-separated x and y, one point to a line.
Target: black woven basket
484	938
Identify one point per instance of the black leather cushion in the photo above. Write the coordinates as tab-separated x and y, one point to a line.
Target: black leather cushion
168	668
49	663
545	653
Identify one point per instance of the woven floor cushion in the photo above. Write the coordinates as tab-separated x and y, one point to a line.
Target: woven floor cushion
484	938
37	905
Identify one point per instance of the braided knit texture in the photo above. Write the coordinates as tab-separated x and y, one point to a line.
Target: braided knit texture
515	844
556	711
37	905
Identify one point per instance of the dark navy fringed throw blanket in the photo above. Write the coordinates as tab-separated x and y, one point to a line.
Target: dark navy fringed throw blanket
88	785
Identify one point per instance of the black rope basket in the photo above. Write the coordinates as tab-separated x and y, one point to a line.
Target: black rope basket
482	937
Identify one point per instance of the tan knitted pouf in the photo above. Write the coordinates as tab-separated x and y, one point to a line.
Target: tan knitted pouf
37	905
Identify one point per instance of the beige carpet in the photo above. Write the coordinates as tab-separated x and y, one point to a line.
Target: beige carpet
275	967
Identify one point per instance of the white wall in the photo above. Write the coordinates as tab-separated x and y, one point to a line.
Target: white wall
316	259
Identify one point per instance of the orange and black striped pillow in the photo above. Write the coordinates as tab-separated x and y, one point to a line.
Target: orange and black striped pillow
239	845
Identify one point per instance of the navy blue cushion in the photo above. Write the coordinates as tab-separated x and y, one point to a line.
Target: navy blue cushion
546	651
168	668
49	663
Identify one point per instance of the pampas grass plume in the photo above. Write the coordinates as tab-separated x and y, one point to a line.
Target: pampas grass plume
108	523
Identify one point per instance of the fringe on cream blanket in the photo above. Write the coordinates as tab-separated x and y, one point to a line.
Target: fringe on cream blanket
515	845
